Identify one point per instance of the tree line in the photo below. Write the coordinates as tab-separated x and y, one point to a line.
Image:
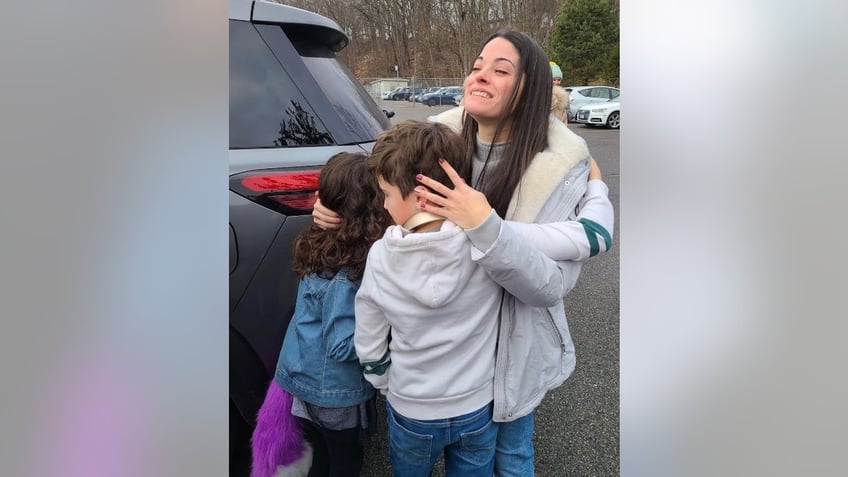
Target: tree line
441	38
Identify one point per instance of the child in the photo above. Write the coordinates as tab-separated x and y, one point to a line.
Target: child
420	282
318	376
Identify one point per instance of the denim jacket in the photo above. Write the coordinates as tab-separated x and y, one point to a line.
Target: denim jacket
318	362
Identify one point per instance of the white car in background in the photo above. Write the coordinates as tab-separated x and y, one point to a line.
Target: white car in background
582	95
600	114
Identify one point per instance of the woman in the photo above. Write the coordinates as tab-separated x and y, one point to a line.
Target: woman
531	170
528	168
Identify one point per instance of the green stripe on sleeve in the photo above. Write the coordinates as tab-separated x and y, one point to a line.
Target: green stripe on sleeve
592	230
378	367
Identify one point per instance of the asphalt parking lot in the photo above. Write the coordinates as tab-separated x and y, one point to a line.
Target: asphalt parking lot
577	425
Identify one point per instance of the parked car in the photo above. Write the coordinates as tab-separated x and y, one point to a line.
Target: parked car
417	97
405	93
416	93
442	97
293	104
398	93
581	95
388	94
600	114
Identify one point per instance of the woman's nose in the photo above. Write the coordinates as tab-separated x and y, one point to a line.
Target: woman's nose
480	76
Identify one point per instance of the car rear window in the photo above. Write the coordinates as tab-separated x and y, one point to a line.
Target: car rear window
294	92
362	119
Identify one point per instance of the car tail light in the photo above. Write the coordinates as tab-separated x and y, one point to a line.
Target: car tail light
290	192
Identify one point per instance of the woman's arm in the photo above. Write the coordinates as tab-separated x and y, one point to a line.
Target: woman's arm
589	234
585	236
576	239
525	271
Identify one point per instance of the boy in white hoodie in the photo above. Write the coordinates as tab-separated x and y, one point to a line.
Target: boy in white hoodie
421	286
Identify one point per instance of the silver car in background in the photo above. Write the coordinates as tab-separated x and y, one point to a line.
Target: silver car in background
606	114
581	95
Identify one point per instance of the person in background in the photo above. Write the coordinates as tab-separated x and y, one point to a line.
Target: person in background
318	378
560	102
556	73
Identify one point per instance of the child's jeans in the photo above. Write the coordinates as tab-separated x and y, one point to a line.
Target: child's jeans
468	442
514	457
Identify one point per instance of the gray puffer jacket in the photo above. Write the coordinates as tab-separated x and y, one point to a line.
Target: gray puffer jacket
535	351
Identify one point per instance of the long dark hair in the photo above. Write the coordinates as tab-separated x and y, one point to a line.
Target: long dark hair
349	189
527	116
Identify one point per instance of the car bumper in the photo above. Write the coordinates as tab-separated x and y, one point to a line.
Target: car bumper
590	117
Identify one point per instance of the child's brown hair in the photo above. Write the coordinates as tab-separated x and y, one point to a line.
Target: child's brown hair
414	147
348	188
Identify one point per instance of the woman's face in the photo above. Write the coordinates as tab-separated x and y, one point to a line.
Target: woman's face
492	79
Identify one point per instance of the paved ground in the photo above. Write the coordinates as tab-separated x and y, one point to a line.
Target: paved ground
577	427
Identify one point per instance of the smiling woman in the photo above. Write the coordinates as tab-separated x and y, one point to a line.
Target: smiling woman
528	168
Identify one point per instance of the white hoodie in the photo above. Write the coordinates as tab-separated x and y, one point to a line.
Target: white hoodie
442	312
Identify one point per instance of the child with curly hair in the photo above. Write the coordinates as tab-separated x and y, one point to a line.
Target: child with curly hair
319	403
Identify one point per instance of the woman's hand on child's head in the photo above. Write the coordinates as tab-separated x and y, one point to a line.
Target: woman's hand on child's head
462	205
594	170
324	217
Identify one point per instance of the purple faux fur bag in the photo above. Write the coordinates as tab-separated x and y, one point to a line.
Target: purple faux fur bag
278	446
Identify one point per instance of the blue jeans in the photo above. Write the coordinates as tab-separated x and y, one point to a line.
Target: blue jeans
514	449
468	442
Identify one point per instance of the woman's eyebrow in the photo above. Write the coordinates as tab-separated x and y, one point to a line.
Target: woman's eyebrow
500	59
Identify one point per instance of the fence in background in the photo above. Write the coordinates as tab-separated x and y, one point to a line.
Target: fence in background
378	86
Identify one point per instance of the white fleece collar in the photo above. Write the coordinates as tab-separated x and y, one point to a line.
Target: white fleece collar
547	170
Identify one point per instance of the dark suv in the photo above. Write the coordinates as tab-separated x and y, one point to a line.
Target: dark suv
293	104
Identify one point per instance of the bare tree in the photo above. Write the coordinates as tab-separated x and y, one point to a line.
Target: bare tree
426	38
